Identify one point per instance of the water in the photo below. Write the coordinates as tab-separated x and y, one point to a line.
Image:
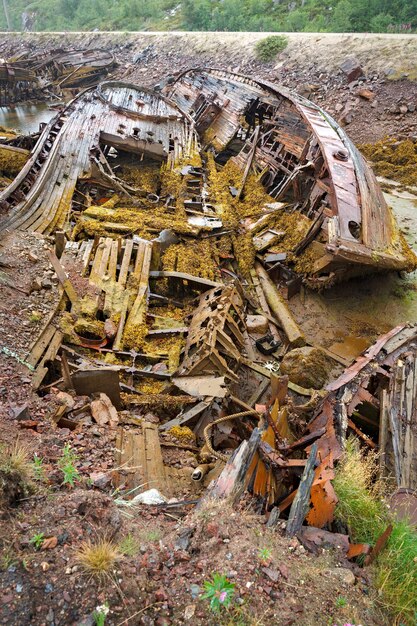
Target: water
25	117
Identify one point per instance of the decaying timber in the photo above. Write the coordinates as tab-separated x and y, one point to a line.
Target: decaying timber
182	225
34	76
376	399
304	158
116	113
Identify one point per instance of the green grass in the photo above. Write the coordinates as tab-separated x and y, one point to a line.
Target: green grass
268	48
362	509
360	506
129	546
396	576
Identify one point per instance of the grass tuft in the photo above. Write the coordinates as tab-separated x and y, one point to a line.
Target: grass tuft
16	472
397	573
129	546
360	506
98	558
362	509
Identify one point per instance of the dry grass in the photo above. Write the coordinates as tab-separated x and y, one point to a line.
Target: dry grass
15	458
16	472
98	558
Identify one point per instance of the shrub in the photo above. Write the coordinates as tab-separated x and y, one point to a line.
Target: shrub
268	48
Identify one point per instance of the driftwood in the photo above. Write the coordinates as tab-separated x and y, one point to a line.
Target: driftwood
279	308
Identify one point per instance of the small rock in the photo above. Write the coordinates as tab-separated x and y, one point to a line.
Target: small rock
65	398
46	283
212	529
345	575
257	324
36	284
189	612
272	574
403	108
352	68
101	480
366	94
110	329
161	595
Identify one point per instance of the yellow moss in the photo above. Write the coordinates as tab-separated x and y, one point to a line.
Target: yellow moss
157	401
143	176
182	433
191	257
12	161
393	159
150	386
134	336
93	329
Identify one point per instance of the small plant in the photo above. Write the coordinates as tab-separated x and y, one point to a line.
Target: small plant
35	317
67	466
38	469
268	48
341	602
97	559
37	540
100	614
219	591
265	556
7	559
129	546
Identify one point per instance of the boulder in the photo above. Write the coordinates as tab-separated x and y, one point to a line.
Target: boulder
307	367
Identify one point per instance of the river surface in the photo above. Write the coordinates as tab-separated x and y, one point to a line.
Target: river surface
25	117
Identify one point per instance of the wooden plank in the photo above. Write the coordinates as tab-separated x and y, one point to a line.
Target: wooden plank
50	354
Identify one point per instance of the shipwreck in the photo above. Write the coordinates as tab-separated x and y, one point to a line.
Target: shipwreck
181	223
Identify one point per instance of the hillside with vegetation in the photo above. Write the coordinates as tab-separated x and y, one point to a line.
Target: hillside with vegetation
396	16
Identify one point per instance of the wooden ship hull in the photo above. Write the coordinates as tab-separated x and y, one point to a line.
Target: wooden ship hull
303	158
72	146
31	76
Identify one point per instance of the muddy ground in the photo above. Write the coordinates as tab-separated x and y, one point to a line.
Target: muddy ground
171	552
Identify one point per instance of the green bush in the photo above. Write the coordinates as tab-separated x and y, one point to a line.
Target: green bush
268	48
